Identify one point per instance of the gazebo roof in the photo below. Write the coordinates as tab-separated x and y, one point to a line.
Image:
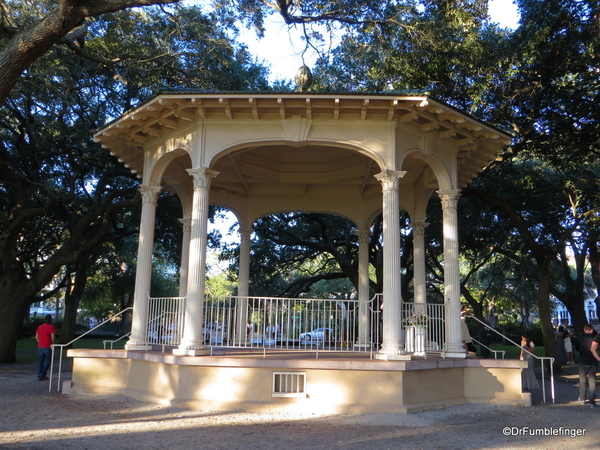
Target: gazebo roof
477	143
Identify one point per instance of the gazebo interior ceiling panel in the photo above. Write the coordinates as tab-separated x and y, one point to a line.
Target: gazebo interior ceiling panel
306	169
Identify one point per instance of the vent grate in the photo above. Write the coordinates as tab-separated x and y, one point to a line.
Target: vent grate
289	384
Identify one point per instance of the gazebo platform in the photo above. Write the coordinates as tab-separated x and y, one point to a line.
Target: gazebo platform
272	380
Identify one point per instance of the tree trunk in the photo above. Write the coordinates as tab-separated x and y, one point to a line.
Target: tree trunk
73	296
543	300
13	309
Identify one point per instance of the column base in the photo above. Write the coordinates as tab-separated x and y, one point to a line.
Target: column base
460	355
138	347
191	351
398	357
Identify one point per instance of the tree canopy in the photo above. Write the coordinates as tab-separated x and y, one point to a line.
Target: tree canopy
64	197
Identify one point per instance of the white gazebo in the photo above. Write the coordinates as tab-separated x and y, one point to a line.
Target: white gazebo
354	155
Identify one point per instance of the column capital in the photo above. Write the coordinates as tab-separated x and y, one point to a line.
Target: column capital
149	193
419	227
186	223
449	198
245	233
202	176
389	179
363	235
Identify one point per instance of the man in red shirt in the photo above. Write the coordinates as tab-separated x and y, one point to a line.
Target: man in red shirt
44	336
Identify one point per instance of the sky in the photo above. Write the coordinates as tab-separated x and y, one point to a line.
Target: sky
280	48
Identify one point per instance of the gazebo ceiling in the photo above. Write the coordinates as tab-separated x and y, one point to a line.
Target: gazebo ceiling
257	168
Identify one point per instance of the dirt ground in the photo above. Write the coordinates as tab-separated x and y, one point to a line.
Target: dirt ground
33	418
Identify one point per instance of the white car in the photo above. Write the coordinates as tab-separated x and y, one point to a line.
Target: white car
320	334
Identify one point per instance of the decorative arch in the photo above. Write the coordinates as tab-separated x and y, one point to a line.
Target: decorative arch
253	144
161	165
442	173
169	172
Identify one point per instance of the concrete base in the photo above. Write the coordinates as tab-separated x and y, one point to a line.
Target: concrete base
398	357
191	352
337	383
138	348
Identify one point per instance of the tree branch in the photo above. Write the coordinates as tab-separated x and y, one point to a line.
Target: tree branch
28	44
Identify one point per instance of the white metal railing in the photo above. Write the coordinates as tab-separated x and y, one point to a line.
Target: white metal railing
165	320
424	325
291	323
112	342
541	358
297	323
62	346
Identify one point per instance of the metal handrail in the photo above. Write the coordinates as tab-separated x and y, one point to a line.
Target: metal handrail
61	346
495	352
541	358
111	342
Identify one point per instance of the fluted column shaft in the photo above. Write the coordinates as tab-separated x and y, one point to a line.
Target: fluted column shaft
364	325
143	274
243	285
191	342
419	261
185	255
392	345
453	347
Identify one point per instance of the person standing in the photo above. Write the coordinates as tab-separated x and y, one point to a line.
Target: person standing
559	339
485	339
587	346
467	341
44	336
569	347
528	378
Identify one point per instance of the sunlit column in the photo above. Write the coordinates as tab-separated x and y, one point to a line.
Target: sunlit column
191	342
364	324
419	260
143	274
392	347
243	286
453	347
185	255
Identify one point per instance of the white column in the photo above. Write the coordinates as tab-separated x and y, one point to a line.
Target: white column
453	347
243	286
191	342
392	347
186	223
364	318
143	273
419	260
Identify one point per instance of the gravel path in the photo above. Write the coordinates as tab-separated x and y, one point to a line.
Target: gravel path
32	418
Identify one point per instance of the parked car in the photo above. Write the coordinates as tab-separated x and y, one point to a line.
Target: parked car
320	334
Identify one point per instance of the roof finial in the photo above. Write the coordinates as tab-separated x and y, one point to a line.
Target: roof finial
303	79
